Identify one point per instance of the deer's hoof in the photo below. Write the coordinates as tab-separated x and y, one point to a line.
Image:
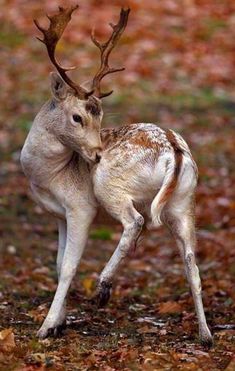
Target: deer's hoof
206	339
54	331
103	294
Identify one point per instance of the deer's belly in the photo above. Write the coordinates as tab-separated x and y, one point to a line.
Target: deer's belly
136	180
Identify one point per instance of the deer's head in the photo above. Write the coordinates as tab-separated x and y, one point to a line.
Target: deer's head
77	111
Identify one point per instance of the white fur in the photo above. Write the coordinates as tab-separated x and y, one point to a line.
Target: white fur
156	207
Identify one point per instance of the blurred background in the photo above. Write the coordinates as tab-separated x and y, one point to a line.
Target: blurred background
179	57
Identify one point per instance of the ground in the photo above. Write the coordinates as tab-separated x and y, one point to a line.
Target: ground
179	75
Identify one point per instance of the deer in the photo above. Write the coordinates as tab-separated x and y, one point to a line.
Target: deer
74	167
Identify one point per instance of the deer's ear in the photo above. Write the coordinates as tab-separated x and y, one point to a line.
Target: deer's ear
58	86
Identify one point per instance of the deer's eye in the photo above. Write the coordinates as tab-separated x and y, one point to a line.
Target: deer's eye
78	119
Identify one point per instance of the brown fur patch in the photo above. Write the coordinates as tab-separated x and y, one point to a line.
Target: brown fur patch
93	106
125	134
178	162
108	136
142	140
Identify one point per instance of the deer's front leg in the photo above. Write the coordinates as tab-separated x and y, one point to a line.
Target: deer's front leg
77	233
62	231
132	222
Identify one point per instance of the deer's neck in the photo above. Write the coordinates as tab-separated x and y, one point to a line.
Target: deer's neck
43	157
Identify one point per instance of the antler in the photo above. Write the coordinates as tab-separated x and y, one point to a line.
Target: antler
52	35
105	49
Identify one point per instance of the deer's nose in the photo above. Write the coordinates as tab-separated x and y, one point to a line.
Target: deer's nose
97	158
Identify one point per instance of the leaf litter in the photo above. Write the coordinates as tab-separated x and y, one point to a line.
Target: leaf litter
186	82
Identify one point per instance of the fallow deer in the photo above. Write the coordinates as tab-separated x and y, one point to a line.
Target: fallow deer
139	168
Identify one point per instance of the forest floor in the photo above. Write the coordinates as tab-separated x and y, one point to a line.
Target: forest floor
149	323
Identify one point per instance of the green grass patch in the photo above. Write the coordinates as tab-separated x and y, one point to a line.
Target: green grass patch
104	234
24	123
148	105
211	25
10	37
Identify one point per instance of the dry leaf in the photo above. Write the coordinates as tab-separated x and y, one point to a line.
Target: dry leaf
169	307
231	365
148	330
39	313
7	340
88	285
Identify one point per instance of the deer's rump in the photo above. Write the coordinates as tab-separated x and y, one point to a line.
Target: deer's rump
138	164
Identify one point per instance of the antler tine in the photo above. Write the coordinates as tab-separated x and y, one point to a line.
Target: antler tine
105	50
51	36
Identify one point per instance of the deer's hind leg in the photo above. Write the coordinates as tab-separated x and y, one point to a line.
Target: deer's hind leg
179	217
132	223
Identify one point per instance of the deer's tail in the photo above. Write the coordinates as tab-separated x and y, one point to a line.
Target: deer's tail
170	180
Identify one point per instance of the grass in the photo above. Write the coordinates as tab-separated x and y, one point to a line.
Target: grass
104	234
147	107
10	37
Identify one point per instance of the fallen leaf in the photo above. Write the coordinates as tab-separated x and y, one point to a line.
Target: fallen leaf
36	359
148	330
88	284
169	307
39	313
7	340
231	365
